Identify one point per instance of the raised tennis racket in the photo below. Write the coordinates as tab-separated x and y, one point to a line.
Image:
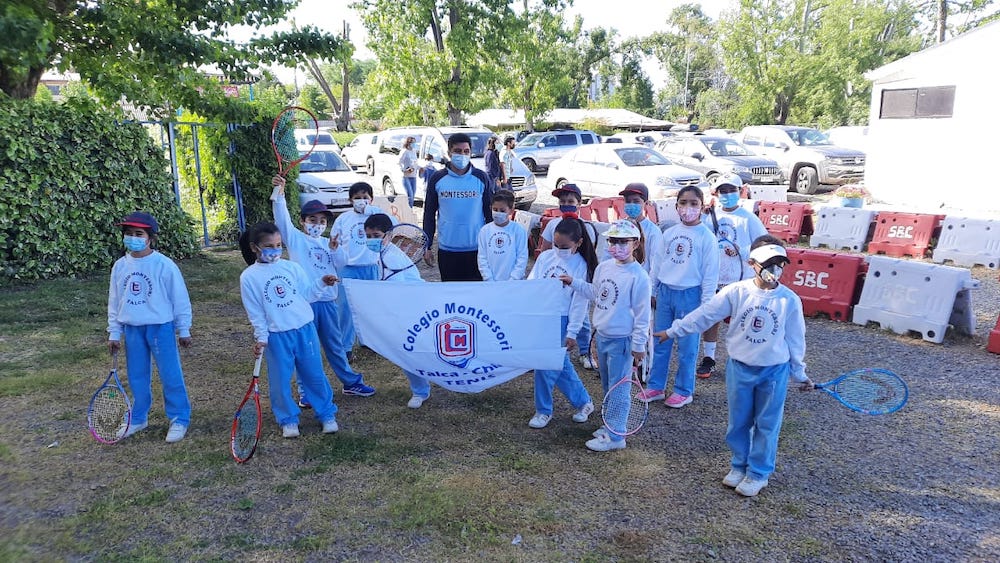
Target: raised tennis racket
869	391
247	423
403	248
286	147
110	412
622	410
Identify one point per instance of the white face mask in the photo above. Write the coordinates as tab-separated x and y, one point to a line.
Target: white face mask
314	229
359	205
500	217
564	253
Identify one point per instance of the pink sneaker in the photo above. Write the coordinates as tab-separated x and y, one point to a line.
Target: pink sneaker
650	395
676	401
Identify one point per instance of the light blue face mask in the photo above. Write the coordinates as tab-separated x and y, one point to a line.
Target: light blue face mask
460	161
134	244
374	244
633	210
270	255
729	200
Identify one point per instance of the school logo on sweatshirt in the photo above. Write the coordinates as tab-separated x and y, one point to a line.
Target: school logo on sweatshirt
727	231
607	294
758	323
499	242
280	291
321	259
456	341
138	287
679	249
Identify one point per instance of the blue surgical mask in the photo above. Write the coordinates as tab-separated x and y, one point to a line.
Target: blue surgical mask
729	199
633	210
568	208
500	217
270	255
315	230
374	244
134	244
460	161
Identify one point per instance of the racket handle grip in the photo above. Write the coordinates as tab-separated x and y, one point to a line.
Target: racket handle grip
256	365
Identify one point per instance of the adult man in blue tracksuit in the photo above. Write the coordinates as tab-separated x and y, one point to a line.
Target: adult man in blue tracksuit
460	196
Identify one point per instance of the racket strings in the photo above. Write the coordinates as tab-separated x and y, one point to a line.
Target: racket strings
623	412
109	416
283	133
872	391
245	436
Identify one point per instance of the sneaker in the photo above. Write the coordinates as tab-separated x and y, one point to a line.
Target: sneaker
750	487
650	395
733	478
605	444
329	427
586	362
290	431
176	432
676	401
705	368
602	431
304	404
125	432
359	389
540	420
416	401
584	413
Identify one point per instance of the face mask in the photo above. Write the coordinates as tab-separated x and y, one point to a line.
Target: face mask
374	244
564	253
633	210
134	244
771	274
620	252
460	161
500	217
270	255
689	214
359	205
567	209
729	200
314	230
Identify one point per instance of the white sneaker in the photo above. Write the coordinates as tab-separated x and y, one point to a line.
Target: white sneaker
124	432
602	431
176	433
416	401
290	431
584	413
329	427
540	420
733	478
750	487
586	362
605	444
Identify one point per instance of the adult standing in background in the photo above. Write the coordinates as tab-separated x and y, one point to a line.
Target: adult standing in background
507	158
492	162
408	164
460	197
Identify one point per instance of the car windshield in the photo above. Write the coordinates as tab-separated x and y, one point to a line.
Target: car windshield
479	140
324	161
808	137
726	147
641	156
530	140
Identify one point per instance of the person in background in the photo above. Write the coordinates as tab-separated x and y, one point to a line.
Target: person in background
491	161
507	158
409	166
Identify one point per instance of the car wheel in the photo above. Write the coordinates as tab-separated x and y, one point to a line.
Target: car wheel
531	164
370	166
388	188
712	177
560	183
806	180
524	206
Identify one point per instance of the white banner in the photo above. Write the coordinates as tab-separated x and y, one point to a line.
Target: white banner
463	336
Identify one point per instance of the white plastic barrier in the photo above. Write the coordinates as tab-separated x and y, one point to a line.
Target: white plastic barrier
399	209
750	205
527	219
967	242
906	295
769	193
841	227
666	212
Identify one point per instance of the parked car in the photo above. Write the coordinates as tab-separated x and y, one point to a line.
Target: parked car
360	152
323	139
851	137
645	139
326	177
434	140
604	170
538	150
717	156
806	156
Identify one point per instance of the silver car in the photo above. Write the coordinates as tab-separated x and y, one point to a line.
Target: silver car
605	170
717	156
326	177
538	150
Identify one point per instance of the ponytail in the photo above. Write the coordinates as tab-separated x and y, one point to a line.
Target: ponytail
252	236
640	248
576	230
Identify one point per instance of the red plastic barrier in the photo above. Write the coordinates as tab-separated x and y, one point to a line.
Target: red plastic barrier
788	221
994	343
618	204
585	212
601	207
904	234
541	229
651	212
552	212
826	282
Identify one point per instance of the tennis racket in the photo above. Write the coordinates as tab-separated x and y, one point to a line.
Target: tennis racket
246	423
286	148
403	248
110	411
622	410
869	391
731	265
644	366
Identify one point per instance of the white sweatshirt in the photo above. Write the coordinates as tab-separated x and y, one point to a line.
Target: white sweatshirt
350	225
767	326
503	251
147	291
738	226
277	296
312	253
550	265
688	257
621	293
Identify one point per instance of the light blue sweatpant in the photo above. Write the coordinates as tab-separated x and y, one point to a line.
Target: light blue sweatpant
756	397
297	349
363	272
143	345
672	304
418	385
614	361
565	379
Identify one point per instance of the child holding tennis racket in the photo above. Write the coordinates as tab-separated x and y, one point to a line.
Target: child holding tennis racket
621	292
148	302
735	228
311	250
277	294
503	244
766	343
685	275
572	255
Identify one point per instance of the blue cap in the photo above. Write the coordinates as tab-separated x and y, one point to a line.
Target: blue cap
142	220
568	189
636	188
312	207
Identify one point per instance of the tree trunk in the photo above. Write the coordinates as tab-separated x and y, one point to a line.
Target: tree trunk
454	114
942	17
17	88
344	119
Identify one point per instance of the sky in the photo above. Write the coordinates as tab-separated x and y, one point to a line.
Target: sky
632	18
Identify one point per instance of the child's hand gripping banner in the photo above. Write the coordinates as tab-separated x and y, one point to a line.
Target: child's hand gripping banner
463	336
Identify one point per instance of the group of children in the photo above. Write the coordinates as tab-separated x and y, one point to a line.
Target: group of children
668	279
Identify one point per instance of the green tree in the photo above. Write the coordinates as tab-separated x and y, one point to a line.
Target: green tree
592	48
970	14
686	50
